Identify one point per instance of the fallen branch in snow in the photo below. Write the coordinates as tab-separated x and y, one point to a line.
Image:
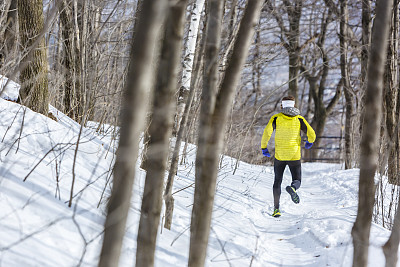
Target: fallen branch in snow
191	185
37	164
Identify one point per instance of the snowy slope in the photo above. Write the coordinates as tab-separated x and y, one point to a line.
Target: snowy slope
37	228
8	89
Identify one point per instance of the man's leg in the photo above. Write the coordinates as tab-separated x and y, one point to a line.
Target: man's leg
279	167
295	169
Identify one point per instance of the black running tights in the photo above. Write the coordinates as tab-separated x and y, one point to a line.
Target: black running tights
279	168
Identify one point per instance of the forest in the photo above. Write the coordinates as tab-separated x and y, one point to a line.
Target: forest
167	74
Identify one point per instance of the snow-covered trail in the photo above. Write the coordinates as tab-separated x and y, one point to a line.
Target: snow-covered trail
305	234
315	232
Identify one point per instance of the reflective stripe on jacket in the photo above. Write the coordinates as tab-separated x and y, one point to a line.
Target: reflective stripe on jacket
287	135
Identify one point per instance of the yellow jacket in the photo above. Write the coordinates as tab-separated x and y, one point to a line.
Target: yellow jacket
287	135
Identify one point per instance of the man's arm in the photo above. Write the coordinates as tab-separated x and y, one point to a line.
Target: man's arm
269	129
307	129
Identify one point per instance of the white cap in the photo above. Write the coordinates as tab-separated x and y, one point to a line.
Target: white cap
287	104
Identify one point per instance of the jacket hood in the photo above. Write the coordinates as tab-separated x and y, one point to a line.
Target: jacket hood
291	112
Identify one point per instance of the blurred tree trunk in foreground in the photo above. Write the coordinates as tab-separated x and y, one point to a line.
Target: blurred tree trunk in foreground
137	91
391	247
160	132
371	128
202	205
214	112
391	90
169	200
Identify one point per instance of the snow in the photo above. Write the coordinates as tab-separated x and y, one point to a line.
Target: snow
9	89
37	228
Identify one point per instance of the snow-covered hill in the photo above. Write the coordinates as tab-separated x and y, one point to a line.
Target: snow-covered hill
37	228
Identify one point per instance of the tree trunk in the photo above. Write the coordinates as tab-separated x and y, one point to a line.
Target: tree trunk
201	213
292	34
369	141
348	128
146	136
169	200
71	62
321	111
83	92
294	67
294	11
318	85
391	247
33	78
318	124
390	97
11	31
137	90
348	155
90	56
146	139
212	126
160	132
188	61
366	32
229	32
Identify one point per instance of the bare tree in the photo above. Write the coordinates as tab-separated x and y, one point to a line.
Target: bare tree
365	43
317	76
344	69
160	132
214	118
90	56
371	125
290	37
348	33
137	89
350	48
72	60
11	32
34	80
391	89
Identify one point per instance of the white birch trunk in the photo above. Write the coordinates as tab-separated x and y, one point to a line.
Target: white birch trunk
188	61
191	43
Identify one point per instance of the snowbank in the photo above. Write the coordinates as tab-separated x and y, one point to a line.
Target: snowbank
9	89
